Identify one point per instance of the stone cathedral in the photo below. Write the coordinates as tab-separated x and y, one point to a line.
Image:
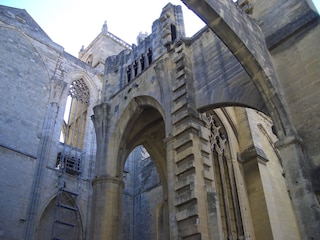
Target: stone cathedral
214	136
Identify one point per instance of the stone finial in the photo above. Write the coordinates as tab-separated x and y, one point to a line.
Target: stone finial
141	37
81	52
105	27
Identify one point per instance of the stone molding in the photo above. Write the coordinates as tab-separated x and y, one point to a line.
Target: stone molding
107	179
253	152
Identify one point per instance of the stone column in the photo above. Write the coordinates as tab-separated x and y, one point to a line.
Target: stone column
57	87
107	187
106	208
193	204
304	201
173	227
251	158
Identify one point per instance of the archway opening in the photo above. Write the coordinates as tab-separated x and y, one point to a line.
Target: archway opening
144	173
61	219
142	197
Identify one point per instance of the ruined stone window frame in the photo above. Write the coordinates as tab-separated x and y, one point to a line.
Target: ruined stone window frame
76	108
223	166
74	124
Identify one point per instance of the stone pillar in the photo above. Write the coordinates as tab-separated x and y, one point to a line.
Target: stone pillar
106	208
173	226
162	221
304	201
251	158
107	187
192	203
57	87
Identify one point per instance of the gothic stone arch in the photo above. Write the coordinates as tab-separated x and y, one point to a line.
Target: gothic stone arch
171	80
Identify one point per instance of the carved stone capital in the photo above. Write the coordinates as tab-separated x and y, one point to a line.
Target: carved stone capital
56	89
100	119
251	153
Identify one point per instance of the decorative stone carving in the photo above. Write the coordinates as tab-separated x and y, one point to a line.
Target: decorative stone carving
217	139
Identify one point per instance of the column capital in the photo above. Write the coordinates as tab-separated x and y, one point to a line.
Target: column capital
56	90
100	111
287	140
100	120
253	152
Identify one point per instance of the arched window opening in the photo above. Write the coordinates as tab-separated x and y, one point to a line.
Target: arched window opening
142	62
75	115
135	68
128	70
142	199
225	181
149	56
73	129
61	219
173	33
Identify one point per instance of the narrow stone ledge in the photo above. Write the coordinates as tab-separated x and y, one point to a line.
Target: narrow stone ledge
186	213
191	231
177	95
184	182
178	85
185	198
185	167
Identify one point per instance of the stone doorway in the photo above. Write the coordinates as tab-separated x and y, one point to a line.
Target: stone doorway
142	197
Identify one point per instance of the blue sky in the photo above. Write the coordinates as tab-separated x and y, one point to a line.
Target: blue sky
73	23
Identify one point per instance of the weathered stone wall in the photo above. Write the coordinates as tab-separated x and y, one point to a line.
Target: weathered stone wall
216	68
297	62
35	75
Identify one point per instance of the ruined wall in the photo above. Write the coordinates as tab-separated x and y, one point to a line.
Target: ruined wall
35	75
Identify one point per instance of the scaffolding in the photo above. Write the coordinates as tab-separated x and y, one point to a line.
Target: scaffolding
66	215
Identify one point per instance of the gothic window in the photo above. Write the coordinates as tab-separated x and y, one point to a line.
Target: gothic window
128	73
75	115
173	33
225	181
142	62
135	68
149	55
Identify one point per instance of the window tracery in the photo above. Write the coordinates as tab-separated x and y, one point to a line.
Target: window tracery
72	132
224	179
